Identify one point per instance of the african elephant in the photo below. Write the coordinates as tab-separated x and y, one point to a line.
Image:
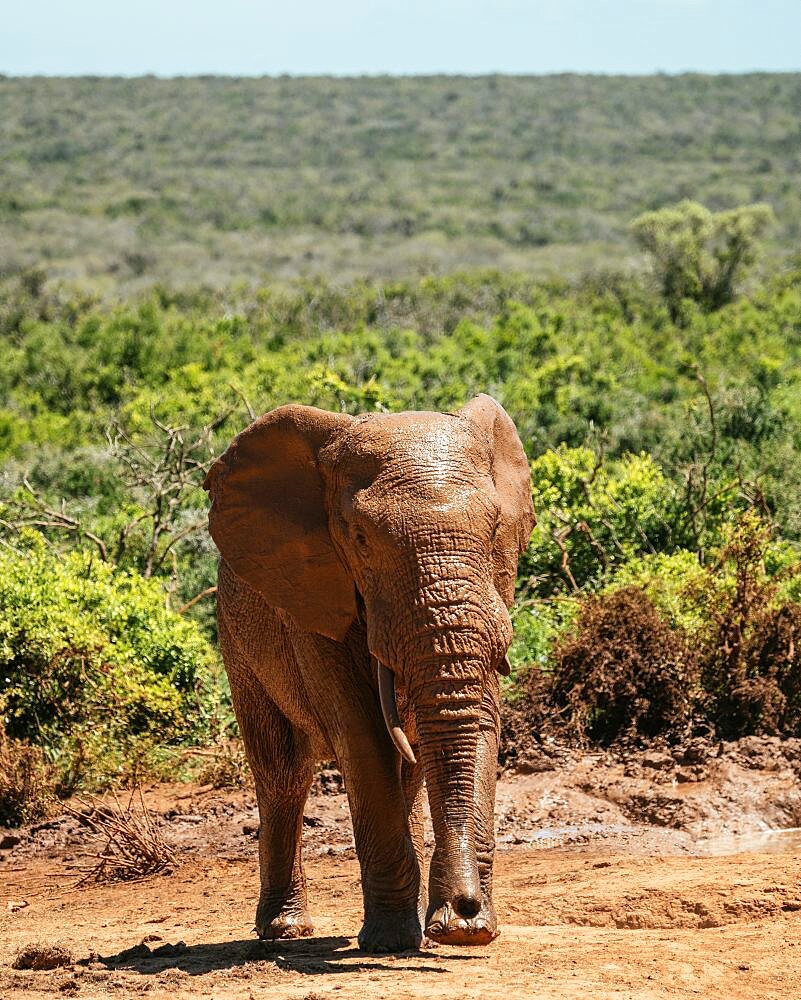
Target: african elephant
367	566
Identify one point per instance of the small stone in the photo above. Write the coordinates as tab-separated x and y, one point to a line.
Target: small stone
15	905
9	840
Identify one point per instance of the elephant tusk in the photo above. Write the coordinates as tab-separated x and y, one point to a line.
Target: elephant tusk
504	668
389	706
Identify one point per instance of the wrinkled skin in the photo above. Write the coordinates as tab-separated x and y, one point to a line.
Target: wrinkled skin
349	542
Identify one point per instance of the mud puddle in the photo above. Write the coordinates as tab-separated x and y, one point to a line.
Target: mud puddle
758	842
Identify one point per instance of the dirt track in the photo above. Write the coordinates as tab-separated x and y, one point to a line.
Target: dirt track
617	908
573	926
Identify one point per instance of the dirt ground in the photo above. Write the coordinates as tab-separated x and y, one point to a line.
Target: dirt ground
655	874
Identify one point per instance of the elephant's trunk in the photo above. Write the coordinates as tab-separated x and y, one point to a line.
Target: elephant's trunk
449	760
448	715
444	648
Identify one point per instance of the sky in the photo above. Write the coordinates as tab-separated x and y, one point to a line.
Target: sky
354	37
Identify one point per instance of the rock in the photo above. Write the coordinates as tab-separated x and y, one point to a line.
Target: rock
9	840
696	751
534	765
657	760
52	824
15	905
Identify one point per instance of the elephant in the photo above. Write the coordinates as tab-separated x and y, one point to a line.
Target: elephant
367	567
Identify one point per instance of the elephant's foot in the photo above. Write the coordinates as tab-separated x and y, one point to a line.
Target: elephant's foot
291	921
390	931
446	926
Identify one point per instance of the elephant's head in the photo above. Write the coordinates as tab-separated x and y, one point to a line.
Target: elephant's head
417	519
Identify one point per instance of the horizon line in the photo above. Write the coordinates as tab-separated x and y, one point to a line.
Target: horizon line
484	74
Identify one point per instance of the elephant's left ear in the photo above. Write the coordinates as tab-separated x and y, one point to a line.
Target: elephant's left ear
512	477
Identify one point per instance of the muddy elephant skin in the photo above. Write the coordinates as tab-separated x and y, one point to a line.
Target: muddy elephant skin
367	566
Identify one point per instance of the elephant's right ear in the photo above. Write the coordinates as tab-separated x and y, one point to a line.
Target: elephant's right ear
269	520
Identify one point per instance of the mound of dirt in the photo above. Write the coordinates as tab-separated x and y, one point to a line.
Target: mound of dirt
665	799
40	956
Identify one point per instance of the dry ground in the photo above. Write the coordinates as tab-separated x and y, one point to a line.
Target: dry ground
610	906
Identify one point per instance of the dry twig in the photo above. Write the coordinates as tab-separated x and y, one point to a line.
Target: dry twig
134	846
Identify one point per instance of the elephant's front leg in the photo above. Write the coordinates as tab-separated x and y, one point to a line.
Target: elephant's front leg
282	911
390	869
484	798
282	767
351	714
412	781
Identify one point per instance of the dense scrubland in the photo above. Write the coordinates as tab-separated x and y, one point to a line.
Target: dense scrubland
660	596
128	183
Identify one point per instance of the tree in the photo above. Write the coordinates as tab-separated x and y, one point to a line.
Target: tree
698	254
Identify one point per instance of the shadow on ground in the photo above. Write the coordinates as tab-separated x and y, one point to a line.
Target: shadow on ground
309	956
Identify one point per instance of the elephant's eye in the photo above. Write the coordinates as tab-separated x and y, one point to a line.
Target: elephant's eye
360	540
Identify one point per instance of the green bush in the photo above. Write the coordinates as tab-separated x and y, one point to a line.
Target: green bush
93	667
593	516
537	626
698	255
673	583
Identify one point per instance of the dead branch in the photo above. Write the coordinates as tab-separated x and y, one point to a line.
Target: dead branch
134	846
160	473
198	597
31	511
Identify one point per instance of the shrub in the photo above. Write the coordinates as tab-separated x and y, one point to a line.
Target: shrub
624	674
25	786
701	255
750	647
134	845
593	516
674	584
93	667
537	625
